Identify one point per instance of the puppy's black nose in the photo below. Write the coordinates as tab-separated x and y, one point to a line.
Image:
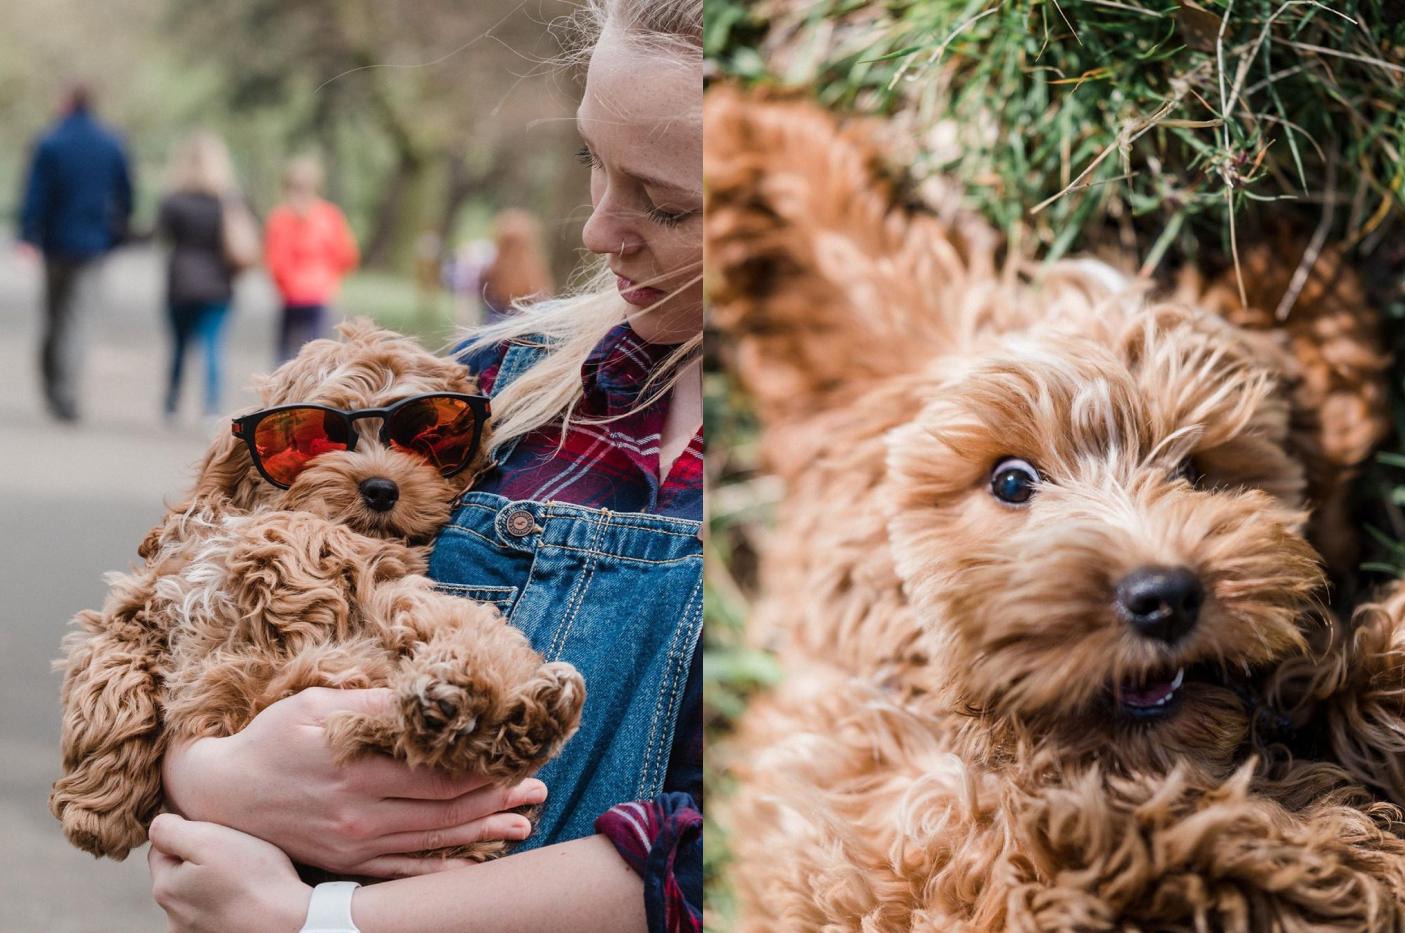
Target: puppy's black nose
1161	602
379	493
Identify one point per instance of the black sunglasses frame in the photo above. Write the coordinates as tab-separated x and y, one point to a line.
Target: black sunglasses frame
245	427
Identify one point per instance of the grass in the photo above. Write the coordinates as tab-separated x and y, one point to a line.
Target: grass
393	301
1167	132
1152	124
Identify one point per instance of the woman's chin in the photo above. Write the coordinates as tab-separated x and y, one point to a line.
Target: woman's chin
674	319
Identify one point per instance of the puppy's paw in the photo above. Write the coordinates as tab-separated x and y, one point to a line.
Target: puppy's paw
504	738
541	715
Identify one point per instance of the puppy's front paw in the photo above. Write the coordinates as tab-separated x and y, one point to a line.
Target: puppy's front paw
503	736
443	706
542	714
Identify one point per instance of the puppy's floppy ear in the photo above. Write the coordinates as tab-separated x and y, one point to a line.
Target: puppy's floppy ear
822	277
226	478
1334	359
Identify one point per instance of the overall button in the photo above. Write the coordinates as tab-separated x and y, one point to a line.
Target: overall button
520	523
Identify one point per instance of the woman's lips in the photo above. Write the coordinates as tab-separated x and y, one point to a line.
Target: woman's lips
641	295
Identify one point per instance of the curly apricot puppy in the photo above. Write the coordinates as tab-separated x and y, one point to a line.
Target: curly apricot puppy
251	593
1043	553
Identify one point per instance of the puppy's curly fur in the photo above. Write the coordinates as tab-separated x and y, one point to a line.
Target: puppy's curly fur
250	593
961	739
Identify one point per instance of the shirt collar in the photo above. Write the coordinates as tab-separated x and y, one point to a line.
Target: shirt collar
617	369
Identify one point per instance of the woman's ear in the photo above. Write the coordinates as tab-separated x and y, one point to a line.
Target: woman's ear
815	267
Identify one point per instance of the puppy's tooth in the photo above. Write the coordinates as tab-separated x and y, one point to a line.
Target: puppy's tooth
1180	677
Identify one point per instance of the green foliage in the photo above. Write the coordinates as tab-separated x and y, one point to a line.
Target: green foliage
1154	122
423	110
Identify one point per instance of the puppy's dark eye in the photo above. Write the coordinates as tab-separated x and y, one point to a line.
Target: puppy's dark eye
1187	471
1013	480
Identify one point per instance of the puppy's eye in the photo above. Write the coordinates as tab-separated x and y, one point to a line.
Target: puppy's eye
1187	471
1013	480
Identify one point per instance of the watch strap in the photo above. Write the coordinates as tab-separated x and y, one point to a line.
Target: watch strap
329	911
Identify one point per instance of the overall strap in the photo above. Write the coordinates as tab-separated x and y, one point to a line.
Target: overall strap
519	358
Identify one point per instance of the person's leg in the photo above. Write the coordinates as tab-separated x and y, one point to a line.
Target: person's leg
212	329
301	323
78	305
285	334
59	278
182	317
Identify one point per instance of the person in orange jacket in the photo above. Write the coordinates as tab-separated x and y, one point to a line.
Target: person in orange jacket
308	248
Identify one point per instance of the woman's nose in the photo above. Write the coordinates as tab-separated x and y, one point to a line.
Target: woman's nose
607	231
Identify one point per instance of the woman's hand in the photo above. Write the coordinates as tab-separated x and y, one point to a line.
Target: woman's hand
212	879
276	780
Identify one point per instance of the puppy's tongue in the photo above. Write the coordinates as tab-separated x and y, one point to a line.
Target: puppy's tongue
1149	694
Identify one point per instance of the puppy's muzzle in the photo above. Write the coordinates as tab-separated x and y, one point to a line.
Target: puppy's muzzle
1160	602
379	493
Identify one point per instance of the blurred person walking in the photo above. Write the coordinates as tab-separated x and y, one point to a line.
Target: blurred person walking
309	249
77	207
518	271
212	237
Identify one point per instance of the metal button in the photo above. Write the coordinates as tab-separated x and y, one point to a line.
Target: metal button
520	523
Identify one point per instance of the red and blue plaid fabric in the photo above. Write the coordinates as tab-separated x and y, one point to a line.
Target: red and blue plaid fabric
615	465
612	465
662	840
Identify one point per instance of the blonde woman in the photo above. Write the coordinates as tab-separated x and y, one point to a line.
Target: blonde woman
201	186
587	534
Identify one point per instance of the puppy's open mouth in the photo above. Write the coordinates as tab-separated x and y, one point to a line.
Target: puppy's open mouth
1151	696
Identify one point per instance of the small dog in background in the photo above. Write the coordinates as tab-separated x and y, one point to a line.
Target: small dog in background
298	562
1046	581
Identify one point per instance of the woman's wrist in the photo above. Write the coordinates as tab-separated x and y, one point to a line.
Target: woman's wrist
289	909
188	770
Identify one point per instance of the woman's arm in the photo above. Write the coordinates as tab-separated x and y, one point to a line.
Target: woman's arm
209	877
578	886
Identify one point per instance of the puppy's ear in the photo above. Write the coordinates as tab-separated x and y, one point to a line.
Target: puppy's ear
226	478
1335	361
824	280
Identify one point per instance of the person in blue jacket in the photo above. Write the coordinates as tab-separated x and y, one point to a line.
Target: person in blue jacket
77	205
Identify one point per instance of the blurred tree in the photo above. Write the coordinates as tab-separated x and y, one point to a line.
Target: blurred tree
420	107
449	91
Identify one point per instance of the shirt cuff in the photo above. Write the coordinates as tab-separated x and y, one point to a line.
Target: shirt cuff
661	839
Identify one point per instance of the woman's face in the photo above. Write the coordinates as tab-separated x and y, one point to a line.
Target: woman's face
641	122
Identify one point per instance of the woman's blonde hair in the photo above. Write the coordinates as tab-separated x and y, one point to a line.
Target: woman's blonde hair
200	164
573	325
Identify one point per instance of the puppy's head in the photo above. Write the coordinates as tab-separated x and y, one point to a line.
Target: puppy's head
377	490
1101	522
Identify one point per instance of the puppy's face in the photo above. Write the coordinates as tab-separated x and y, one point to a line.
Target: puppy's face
373	489
1101	525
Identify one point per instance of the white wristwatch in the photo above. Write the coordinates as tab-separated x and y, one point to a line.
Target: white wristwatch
329	911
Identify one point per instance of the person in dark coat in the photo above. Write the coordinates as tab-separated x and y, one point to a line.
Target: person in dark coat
199	271
77	206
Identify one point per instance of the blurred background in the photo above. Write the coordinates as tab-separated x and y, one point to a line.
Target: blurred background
430	119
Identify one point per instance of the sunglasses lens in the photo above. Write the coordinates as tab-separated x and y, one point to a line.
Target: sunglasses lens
437	428
288	440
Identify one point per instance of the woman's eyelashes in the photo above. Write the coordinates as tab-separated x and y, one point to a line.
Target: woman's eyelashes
585	157
663	216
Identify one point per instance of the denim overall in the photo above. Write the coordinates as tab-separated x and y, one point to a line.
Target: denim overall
619	595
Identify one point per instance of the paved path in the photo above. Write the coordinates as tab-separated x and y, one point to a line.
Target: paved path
74	503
